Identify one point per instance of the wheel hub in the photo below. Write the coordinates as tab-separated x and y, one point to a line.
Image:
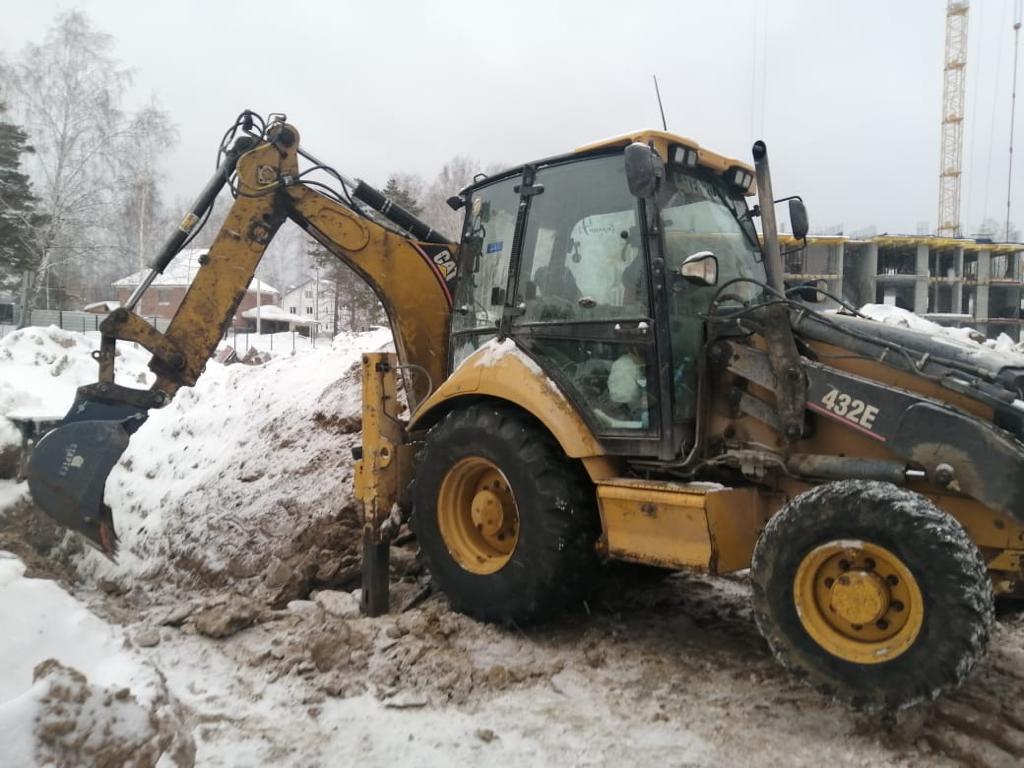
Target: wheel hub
858	600
477	515
859	597
488	515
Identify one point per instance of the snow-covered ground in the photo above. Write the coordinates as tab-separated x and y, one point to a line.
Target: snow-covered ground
226	633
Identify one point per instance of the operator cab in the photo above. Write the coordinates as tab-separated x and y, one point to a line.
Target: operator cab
583	269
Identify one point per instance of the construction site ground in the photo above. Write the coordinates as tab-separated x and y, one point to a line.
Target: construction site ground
228	632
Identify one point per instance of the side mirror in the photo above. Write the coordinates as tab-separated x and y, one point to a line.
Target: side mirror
700	268
644	169
798	218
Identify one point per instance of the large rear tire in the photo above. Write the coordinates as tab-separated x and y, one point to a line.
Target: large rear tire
872	594
506	522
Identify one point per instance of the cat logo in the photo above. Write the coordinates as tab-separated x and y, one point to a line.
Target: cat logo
446	264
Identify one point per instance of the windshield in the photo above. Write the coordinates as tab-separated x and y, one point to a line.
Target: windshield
699	214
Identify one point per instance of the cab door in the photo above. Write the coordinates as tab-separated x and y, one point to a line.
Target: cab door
581	300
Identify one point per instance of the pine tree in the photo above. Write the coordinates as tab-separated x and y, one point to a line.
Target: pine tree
19	217
401	190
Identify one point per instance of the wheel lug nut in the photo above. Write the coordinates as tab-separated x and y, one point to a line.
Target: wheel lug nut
857	627
897	606
892	580
882	624
844	565
829	582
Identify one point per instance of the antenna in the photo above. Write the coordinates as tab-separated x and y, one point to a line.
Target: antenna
657	91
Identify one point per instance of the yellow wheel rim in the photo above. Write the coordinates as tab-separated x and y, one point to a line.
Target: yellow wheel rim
477	515
858	601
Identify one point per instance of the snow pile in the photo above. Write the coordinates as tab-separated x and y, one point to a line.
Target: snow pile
904	318
225	480
42	368
230	475
70	692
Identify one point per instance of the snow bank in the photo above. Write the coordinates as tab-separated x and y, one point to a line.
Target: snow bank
215	484
70	692
231	468
42	367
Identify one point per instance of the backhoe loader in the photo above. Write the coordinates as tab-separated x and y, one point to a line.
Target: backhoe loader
608	366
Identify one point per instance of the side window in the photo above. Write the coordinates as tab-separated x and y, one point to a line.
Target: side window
486	248
582	257
484	259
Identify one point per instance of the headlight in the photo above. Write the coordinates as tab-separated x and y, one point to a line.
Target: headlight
739	178
684	156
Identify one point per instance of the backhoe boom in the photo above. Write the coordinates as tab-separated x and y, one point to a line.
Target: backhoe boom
411	277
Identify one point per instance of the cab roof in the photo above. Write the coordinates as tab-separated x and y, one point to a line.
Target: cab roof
662	140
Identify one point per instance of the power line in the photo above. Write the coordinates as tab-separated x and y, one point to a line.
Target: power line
995	105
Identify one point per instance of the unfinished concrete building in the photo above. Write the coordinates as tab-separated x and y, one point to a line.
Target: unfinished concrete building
959	282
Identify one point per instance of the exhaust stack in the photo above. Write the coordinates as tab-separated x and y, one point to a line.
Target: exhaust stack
766	203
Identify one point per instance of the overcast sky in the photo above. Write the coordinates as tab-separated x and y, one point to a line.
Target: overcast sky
847	94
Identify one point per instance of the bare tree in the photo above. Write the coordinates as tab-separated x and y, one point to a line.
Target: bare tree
454	175
66	92
139	213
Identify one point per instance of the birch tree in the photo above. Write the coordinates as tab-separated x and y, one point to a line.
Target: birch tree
66	92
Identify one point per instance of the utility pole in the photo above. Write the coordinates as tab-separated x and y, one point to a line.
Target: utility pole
954	87
142	226
258	318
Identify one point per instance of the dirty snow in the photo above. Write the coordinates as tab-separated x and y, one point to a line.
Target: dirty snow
70	692
228	621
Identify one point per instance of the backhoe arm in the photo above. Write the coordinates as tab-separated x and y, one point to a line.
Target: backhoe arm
68	468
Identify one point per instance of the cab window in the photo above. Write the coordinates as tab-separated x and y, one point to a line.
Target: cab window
582	258
484	260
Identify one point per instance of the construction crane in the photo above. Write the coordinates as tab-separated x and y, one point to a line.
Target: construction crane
954	86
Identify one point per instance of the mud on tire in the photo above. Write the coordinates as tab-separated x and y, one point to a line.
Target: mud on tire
957	595
554	559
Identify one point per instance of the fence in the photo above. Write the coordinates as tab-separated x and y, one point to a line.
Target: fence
241	340
69	320
283	341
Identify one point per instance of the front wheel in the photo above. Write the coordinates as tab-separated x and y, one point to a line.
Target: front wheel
872	594
506	522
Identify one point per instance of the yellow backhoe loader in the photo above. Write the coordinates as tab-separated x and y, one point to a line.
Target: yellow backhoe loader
608	366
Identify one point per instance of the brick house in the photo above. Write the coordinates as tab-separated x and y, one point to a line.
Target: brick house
168	290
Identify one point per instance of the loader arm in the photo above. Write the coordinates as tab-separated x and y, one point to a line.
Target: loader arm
68	469
410	285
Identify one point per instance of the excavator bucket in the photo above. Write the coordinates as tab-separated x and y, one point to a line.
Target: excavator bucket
68	468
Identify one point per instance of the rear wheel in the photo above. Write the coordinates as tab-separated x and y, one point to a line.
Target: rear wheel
506	523
871	594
